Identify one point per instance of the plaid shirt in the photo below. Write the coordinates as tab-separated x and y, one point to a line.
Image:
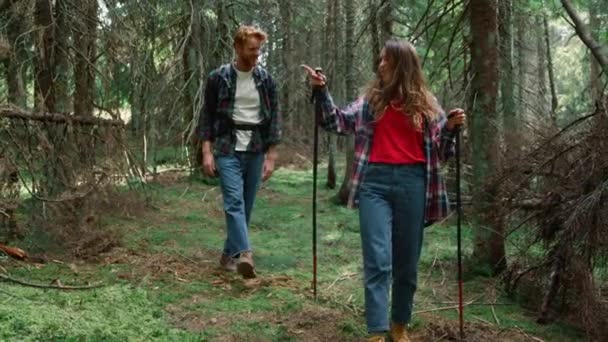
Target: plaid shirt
216	123
357	118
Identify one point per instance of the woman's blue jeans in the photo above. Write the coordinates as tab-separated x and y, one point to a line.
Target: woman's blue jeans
240	175
391	214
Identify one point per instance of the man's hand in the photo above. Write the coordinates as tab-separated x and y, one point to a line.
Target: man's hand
271	157
208	160
456	118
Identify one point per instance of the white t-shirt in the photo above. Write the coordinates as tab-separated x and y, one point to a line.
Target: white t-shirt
246	107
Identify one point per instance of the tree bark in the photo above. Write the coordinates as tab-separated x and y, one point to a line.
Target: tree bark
386	25
522	61
330	7
134	93
541	67
595	70
148	108
489	249
375	39
285	7
17	56
84	41
506	80
554	102
222	47
193	67
350	95
349	11
45	92
61	57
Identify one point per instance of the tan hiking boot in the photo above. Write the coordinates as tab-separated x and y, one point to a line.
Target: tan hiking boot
398	333
227	263
244	265
376	338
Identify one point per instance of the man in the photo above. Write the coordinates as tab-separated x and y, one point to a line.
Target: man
240	128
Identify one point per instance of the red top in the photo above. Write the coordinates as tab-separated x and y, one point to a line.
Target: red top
396	140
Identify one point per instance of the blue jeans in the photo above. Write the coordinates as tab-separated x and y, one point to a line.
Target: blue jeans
391	214
240	175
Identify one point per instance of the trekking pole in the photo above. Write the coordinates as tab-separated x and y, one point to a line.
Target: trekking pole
458	235
315	161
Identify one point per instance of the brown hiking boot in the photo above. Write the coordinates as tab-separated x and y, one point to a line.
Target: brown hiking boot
376	338
244	265
227	263
398	333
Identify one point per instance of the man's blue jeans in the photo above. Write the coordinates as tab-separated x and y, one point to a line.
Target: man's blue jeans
391	214
240	175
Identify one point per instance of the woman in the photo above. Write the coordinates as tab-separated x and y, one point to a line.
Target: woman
401	135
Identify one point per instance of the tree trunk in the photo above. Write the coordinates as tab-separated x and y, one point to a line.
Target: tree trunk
45	92
489	249
594	73
522	61
326	58
350	87
134	94
375	39
307	52
351	93
85	39
148	108
339	68
192	62
598	51
17	56
285	7
223	47
61	57
387	19
506	80
188	77
550	69
583	32
541	67
84	43
56	175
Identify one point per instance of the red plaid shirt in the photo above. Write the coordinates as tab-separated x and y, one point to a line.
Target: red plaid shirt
357	118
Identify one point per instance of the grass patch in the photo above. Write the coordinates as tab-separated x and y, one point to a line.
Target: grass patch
118	312
163	283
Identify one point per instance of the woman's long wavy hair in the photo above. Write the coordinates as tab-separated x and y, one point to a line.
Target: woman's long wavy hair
407	85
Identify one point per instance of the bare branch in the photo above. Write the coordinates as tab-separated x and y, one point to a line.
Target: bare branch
57	285
583	32
14	113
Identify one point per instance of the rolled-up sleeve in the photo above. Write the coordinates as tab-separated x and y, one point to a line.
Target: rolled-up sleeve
342	121
447	144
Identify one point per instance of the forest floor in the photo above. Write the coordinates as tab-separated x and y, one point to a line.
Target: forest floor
162	281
